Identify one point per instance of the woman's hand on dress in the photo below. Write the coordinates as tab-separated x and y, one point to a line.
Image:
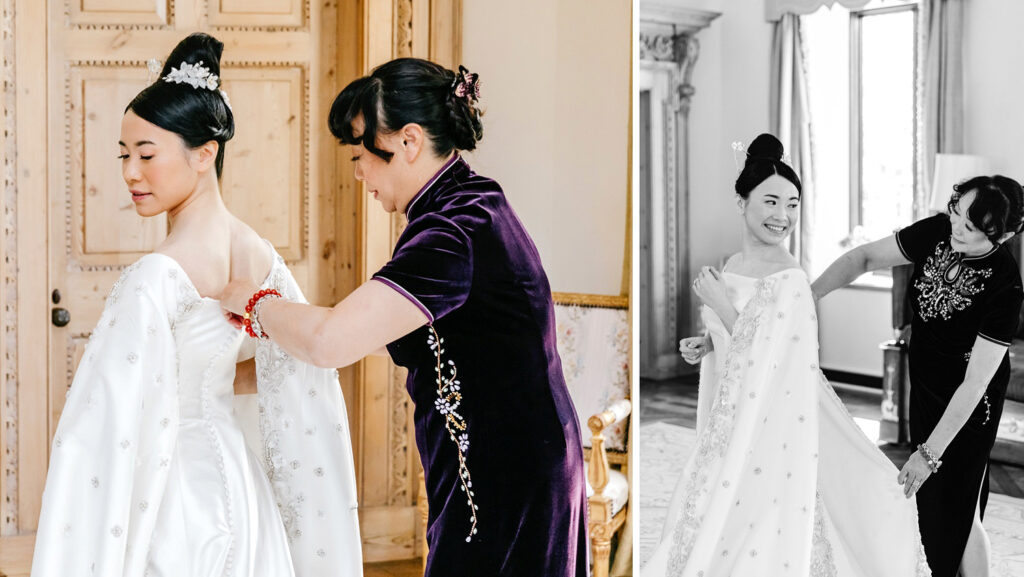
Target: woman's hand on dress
710	287
694	349
913	474
235	297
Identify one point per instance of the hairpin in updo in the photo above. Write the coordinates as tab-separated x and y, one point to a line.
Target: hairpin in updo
738	149
466	84
197	76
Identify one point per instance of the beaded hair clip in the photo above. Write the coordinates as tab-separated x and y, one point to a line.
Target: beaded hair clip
195	75
466	84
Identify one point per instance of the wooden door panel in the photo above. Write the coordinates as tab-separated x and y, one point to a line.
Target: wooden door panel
119	12
266	164
105	230
261	13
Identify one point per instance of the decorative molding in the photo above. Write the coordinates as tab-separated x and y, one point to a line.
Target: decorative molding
669	48
9	267
400	480
660	18
403	28
74	264
591	300
167	25
71	262
302	26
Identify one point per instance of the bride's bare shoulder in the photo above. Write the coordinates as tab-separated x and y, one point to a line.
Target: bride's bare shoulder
251	256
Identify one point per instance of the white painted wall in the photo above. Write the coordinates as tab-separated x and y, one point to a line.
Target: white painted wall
555	85
994	85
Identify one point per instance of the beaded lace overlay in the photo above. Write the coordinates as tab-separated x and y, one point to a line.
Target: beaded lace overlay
714	440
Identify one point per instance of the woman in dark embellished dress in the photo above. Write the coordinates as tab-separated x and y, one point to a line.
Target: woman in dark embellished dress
966	298
465	304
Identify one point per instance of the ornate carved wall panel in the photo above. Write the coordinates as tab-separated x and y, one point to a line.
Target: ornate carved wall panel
119	13
257	13
105	230
668	51
8	281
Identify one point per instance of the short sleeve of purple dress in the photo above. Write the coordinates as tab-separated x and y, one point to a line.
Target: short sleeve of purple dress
956	300
495	427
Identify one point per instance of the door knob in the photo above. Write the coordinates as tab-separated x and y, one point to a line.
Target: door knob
60	317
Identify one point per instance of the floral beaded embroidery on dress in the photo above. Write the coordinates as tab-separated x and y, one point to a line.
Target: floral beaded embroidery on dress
449	396
781	481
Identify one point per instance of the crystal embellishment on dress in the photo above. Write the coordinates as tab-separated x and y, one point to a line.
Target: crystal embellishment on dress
714	440
449	396
947	286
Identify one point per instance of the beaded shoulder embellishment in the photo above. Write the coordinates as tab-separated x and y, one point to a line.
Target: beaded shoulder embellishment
449	396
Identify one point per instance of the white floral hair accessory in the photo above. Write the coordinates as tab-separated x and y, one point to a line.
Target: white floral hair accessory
195	75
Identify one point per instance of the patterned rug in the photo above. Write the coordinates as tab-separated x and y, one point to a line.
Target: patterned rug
664	449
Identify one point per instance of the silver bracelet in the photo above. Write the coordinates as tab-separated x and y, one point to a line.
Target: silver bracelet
257	326
933	462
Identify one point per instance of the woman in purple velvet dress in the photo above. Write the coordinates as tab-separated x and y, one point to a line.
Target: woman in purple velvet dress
465	304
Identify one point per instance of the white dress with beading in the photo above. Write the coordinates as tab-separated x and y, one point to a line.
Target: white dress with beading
782	481
158	470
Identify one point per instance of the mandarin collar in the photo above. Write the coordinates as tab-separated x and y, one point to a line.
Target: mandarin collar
430	183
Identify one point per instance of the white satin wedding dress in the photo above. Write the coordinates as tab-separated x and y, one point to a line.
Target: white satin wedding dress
782	481
157	470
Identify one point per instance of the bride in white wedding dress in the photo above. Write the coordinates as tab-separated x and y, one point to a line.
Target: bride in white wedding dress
156	468
781	482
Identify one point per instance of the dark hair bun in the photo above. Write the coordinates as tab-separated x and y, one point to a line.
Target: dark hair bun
764	159
404	91
765	146
195	48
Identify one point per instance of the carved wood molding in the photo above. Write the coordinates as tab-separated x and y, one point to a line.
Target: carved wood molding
669	47
303	25
400	489
69	208
9	266
167	24
403	28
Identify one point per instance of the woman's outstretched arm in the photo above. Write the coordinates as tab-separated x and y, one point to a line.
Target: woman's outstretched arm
369	318
882	253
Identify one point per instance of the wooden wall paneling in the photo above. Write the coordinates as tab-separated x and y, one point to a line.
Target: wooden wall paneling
274	14
33	296
265	182
8	281
446	32
119	13
348	224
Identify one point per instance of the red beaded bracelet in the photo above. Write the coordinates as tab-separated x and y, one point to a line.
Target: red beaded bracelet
247	319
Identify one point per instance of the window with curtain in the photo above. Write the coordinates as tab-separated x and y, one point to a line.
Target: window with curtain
862	73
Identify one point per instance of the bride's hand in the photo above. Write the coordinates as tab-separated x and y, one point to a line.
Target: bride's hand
694	349
913	474
711	289
235	298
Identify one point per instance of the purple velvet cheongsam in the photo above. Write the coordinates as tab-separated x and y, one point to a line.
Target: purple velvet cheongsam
495	427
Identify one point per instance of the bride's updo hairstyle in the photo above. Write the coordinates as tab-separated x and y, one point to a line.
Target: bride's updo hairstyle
410	90
764	158
998	208
198	114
